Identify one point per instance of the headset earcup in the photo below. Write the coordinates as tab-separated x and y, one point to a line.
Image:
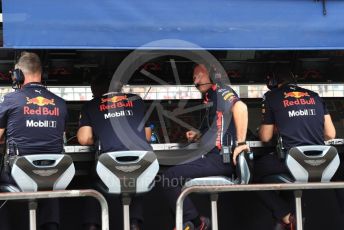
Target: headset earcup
272	81
18	76
293	77
211	73
215	76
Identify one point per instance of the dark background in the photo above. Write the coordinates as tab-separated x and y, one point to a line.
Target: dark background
78	67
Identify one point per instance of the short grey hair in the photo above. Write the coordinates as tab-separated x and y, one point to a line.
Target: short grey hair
29	63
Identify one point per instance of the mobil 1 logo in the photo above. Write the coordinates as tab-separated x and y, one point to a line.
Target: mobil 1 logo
40	124
301	112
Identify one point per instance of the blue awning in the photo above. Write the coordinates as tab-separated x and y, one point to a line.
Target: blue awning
177	24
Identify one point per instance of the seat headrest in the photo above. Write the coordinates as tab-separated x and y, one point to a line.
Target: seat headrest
313	163
43	172
128	171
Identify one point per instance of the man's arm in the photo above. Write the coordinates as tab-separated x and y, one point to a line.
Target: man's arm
148	132
2	136
240	116
266	132
267	127
329	129
85	135
4	108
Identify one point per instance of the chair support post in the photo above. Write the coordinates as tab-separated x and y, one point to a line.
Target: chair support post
32	214
126	200
214	219
298	207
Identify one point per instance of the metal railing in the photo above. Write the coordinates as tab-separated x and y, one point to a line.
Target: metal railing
63	194
213	189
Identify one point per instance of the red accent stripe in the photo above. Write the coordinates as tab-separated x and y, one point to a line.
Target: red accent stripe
206	99
219	122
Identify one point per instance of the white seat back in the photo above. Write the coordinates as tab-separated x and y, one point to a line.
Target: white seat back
128	171
313	163
43	172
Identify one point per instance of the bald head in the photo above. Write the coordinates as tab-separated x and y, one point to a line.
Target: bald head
201	68
201	78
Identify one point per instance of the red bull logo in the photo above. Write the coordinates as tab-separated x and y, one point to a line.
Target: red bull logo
114	99
40	101
42	111
115	102
296	94
298	99
302	101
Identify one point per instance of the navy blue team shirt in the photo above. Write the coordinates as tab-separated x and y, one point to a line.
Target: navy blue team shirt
218	123
34	119
297	113
116	120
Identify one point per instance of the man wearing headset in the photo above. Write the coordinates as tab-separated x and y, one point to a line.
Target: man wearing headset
34	121
299	117
222	103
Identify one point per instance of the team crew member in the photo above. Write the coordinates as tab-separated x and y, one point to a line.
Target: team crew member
224	102
34	120
299	116
99	120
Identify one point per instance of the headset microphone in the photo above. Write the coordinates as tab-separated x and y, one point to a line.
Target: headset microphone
198	85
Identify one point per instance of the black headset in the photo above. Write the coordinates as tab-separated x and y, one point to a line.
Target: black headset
218	76
17	77
273	79
215	76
